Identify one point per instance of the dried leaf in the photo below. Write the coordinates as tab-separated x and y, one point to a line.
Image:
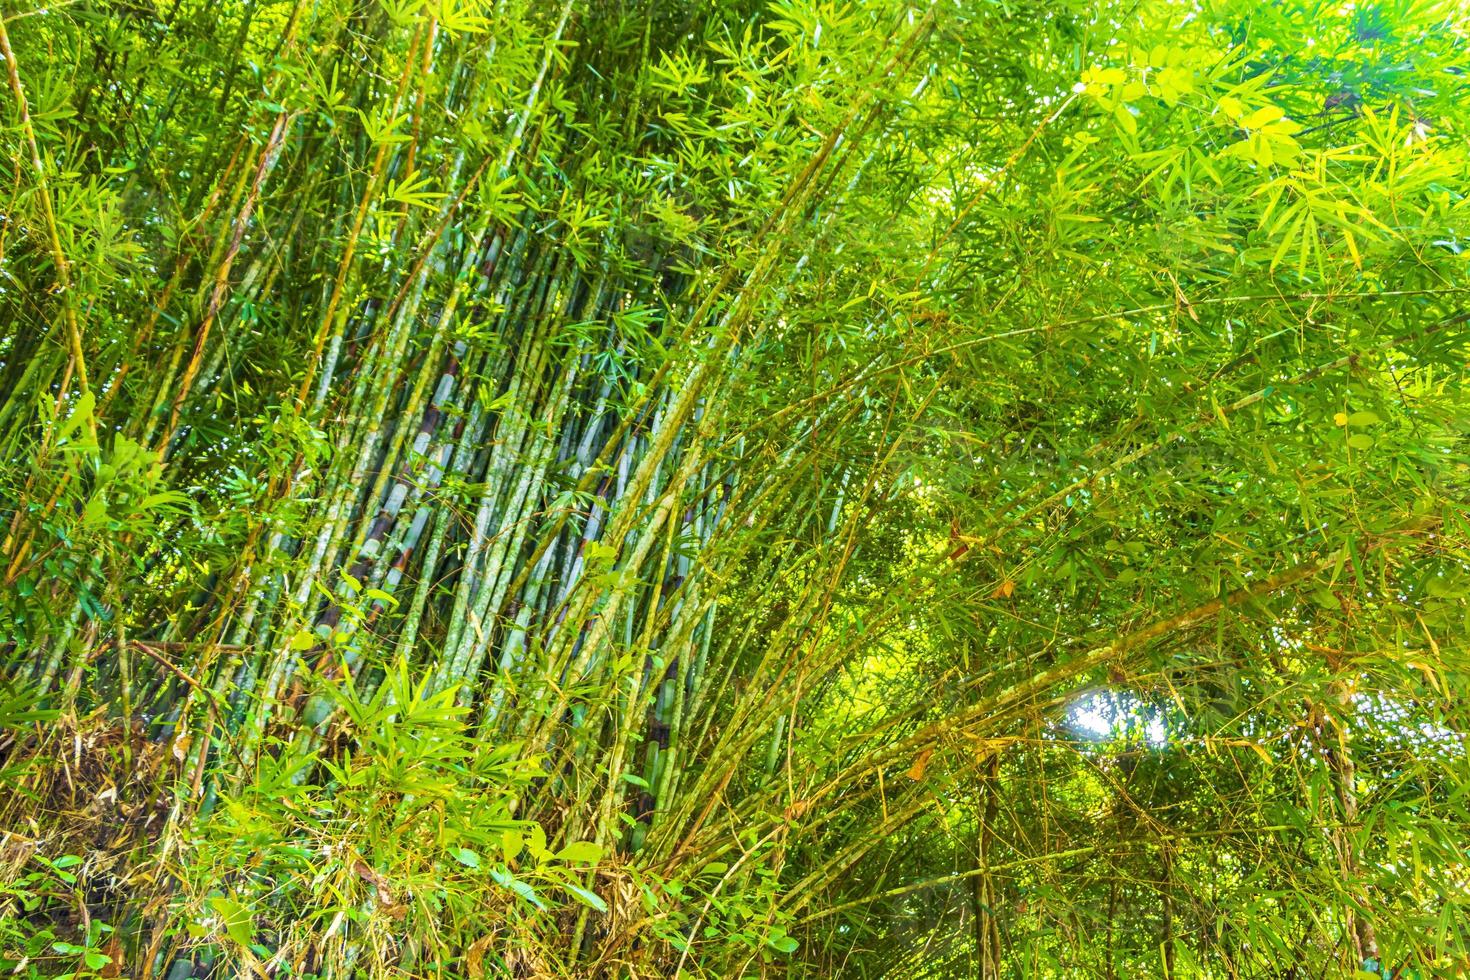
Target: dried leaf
474	959
921	764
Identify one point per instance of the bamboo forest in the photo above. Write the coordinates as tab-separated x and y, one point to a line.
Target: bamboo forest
712	489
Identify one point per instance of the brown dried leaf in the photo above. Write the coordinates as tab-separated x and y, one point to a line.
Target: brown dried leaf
474	957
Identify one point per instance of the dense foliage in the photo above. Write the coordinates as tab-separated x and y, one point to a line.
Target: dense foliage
632	488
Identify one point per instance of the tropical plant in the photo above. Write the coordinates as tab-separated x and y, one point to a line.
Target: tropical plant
904	488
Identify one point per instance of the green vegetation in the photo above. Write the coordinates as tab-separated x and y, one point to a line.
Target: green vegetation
811	488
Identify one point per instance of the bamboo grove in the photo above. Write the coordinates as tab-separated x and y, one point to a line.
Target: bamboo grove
641	488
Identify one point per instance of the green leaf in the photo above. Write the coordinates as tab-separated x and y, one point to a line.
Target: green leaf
587	898
238	922
380	596
1125	119
598	553
466	857
504	878
581	852
412	190
1262	116
1442	588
